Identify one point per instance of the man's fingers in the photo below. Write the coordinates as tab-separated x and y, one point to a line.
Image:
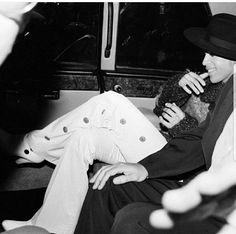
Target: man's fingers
173	114
199	78
124	179
177	110
204	75
187	90
166	117
164	122
113	171
193	82
169	105
93	179
106	173
95	176
168	111
195	86
100	175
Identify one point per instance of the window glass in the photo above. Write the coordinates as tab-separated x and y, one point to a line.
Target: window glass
74	31
150	35
55	34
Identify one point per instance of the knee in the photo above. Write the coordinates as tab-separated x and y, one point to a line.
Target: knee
124	221
125	215
133	212
133	218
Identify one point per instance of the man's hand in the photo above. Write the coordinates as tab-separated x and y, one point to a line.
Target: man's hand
130	172
172	115
193	82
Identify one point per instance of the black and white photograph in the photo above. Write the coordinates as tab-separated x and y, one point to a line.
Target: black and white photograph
117	117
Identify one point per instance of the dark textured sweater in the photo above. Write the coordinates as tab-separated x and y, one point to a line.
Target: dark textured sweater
196	107
185	156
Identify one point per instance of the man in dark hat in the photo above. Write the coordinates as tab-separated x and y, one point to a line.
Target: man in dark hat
111	198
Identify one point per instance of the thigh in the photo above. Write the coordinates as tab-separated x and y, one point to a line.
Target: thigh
106	149
135	135
134	218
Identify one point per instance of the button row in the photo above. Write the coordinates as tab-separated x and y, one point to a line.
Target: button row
86	120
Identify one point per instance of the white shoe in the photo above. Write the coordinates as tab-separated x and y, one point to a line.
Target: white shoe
22	161
12	224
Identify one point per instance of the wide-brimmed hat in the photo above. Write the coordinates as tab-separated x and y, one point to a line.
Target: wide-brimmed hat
219	37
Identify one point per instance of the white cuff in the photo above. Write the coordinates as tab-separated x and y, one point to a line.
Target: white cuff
23	150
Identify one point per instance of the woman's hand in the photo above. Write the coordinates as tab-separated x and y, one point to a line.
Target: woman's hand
193	82
130	172
171	115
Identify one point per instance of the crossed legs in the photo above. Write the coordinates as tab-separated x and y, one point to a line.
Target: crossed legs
114	131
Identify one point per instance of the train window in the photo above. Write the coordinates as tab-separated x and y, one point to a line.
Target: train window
150	35
55	35
78	27
72	30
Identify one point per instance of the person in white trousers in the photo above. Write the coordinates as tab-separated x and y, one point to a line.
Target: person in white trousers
107	127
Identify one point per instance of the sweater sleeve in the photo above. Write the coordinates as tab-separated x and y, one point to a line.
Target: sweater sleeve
171	92
180	157
186	124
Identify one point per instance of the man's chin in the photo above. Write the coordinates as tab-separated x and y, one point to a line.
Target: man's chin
214	79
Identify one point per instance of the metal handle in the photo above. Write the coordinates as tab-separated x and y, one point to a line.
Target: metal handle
109	30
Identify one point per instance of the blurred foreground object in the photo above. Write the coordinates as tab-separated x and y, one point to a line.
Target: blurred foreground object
10	18
212	193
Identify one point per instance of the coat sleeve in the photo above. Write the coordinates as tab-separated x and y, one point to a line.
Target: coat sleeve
180	157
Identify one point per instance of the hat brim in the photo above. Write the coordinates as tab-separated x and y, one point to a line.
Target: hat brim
198	37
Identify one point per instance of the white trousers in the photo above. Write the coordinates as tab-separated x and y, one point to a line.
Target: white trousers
109	128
